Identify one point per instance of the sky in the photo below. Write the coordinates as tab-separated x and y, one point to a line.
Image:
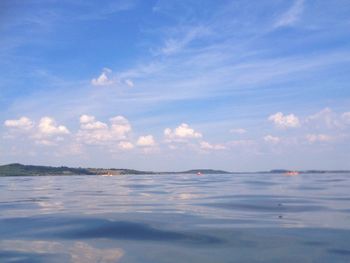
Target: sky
176	84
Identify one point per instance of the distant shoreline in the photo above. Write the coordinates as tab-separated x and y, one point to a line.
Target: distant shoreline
17	169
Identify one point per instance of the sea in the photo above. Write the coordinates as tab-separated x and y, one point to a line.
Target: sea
176	218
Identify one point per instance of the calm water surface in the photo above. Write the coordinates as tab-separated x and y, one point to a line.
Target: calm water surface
175	218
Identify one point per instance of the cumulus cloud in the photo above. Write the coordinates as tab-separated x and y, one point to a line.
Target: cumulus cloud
125	145
97	132
120	127
46	132
47	126
272	139
284	121
313	138
107	79
238	131
88	122
146	141
104	79
181	133
86	118
208	146
22	123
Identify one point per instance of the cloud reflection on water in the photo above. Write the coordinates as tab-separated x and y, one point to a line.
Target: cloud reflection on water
198	219
76	252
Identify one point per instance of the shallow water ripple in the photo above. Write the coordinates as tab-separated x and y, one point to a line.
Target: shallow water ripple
176	218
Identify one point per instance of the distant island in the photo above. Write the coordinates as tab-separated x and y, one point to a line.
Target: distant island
17	169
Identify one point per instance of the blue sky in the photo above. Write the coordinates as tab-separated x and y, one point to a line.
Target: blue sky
173	85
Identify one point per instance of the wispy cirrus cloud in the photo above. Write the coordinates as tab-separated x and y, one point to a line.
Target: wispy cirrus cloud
292	15
174	45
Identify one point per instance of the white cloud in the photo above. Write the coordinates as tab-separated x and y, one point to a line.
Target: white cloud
272	139
96	132
325	117
88	122
86	118
238	131
312	138
284	121
120	127
290	17
208	146
181	133
48	127
125	145
103	79
346	117
93	136
146	141
129	83
47	132
175	45
96	125
22	123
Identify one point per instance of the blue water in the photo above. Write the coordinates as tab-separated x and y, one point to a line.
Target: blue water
176	218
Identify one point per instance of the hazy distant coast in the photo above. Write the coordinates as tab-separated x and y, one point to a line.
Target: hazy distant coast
17	169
